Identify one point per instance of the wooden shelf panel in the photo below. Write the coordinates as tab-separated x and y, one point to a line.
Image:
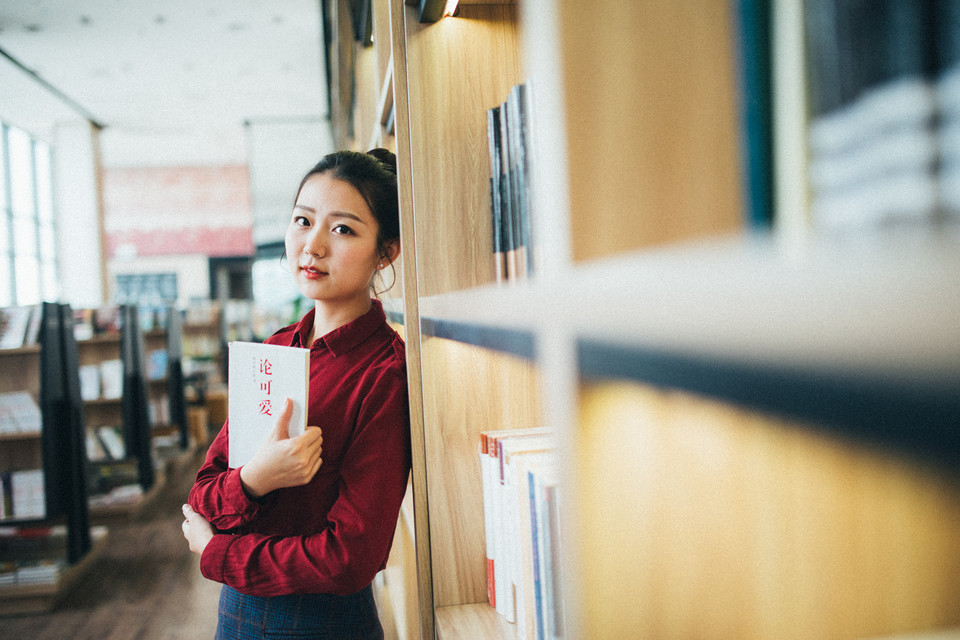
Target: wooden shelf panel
14	437
857	334
885	303
471	621
765	528
20	351
492	391
450	115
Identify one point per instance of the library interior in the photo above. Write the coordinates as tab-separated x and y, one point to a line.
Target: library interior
710	392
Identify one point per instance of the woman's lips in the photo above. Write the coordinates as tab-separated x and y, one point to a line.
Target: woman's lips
312	273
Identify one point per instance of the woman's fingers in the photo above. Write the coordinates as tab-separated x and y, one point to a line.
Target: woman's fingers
281	428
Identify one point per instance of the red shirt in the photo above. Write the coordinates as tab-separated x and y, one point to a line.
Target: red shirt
333	534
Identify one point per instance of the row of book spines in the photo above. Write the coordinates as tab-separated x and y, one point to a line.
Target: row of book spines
522	529
508	139
856	45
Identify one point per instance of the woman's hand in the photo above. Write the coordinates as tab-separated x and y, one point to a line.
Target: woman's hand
282	461
196	530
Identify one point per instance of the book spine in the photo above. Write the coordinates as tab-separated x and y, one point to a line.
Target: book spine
536	545
496	208
508	198
486	478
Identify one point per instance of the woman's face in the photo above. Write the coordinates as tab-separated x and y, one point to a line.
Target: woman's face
331	242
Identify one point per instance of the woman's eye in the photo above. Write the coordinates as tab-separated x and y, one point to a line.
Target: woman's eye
343	229
300	221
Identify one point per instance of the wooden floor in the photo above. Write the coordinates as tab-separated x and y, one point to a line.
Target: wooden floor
146	585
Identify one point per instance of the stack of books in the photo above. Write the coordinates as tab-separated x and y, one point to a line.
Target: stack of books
521	502
19	326
19	413
883	82
508	141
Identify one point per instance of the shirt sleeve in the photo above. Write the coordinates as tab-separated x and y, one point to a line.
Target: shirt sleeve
353	546
217	493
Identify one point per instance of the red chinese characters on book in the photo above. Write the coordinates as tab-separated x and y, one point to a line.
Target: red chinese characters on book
265	378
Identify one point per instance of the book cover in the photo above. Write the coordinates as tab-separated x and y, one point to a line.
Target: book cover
13	326
89	381
28	494
19	413
111	379
261	377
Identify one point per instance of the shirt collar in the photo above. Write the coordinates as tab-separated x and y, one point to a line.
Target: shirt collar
345	338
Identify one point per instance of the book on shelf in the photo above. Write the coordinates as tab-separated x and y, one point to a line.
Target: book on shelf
507	141
947	88
260	378
83	324
504	457
19	413
94	448
496	191
157	361
491	470
31	572
24	495
111	379
15	325
158	411
111	442
508	196
89	382
107	319
519	137
875	139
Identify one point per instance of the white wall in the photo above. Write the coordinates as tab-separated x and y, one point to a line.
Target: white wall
279	153
77	203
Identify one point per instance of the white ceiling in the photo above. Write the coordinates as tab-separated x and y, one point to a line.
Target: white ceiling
172	81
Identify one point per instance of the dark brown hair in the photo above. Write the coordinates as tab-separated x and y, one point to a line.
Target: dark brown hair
374	175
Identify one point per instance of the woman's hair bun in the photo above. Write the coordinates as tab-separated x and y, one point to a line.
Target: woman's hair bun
385	156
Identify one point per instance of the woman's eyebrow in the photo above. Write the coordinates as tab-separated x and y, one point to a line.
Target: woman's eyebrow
345	214
333	214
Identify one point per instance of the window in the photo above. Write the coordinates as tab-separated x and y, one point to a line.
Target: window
28	256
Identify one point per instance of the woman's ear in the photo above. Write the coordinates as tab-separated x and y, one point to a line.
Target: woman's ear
391	251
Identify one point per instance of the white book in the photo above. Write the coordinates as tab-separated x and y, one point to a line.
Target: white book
111	379
89	381
261	378
29	498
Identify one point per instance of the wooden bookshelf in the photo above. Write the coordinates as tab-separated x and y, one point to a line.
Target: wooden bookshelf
18	600
60	539
757	433
128	406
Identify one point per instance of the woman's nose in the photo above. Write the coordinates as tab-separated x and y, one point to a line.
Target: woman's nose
315	245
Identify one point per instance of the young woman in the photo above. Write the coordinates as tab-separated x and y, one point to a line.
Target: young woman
297	535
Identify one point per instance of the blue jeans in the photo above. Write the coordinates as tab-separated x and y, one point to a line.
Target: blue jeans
318	616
